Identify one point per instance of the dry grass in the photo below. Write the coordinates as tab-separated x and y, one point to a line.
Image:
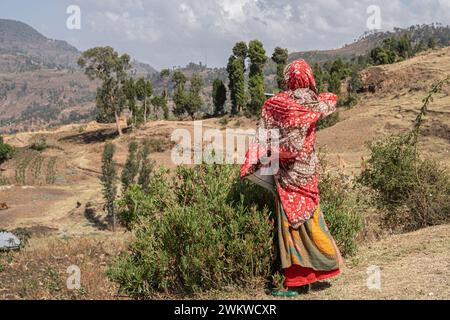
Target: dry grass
40	270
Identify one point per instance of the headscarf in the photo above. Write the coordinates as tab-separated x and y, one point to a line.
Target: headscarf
299	74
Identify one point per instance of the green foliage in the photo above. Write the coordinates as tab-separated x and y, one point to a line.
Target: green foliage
131	168
280	57
380	55
236	77
392	50
108	180
219	95
6	151
341	213
146	165
258	58
187	102
194	232
391	168
144	91
415	191
160	102
320	77
334	83
329	121
105	64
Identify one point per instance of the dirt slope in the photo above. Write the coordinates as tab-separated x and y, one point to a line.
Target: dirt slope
393	108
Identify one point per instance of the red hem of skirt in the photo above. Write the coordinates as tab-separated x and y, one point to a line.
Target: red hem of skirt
297	276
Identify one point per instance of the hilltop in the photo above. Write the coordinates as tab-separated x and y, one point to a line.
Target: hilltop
370	40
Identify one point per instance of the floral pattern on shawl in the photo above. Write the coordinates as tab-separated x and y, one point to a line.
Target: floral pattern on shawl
294	113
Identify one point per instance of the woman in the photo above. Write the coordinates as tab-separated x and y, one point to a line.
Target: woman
307	250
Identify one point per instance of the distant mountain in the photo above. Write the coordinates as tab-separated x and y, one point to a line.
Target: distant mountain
368	41
22	48
40	82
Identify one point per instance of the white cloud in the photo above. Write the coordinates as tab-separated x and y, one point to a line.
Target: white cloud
174	32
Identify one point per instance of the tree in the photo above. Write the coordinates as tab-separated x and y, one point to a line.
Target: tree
236	76
144	90
161	103
180	95
319	75
280	57
258	58
108	180
380	56
334	83
194	100
165	74
130	94
105	64
404	47
6	151
146	166
187	101
219	95
131	168
432	44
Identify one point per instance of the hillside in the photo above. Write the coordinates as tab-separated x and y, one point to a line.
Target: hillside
368	41
41	85
394	106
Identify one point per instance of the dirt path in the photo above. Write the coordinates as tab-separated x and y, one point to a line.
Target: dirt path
413	266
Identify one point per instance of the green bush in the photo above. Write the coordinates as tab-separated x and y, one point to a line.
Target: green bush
391	168
414	191
194	232
340	208
329	121
6	151
429	201
204	228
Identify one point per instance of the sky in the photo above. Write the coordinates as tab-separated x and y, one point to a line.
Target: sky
172	33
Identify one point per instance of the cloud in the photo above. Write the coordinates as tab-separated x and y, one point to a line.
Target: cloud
175	32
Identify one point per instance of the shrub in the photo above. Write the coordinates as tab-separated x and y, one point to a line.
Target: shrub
329	121
108	180
197	232
6	151
131	168
40	144
429	201
414	191
391	169
340	208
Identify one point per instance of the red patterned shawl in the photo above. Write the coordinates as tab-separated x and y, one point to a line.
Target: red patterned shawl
294	113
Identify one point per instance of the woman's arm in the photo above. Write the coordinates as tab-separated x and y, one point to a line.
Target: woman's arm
327	103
